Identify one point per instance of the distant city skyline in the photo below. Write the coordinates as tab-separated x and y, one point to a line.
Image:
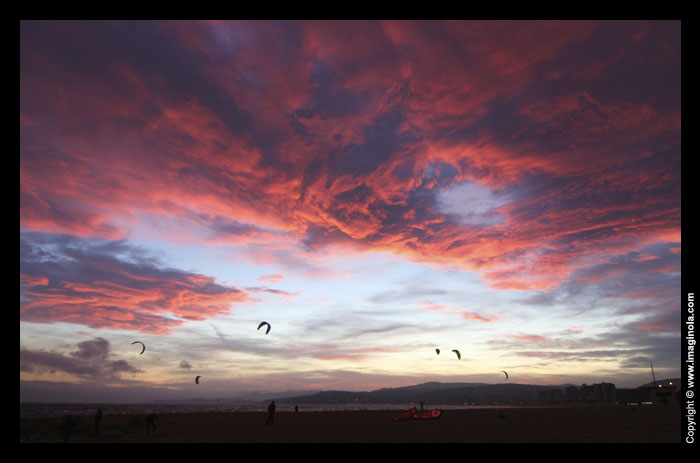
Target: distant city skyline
374	190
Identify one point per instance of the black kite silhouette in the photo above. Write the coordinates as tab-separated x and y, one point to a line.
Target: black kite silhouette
143	349
263	324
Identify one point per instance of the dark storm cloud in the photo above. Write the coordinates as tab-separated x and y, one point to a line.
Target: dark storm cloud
33	361
142	46
186	365
92	359
381	141
328	98
622	73
617	63
98	348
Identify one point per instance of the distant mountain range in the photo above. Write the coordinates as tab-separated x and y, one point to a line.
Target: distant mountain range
664	382
429	393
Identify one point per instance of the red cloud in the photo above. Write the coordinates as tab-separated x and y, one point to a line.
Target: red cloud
33	280
95	288
101	304
307	134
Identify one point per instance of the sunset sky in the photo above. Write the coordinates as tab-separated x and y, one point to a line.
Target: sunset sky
373	189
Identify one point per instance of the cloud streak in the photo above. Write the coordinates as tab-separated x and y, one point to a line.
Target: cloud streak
464	313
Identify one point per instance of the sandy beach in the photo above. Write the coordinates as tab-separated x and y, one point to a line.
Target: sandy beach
613	424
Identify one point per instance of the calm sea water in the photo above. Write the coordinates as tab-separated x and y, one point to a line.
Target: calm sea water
28	410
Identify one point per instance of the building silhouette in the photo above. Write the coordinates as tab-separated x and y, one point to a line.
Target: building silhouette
660	393
594	393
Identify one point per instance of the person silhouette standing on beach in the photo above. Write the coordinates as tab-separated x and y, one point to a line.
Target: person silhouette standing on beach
151	422
270	414
98	420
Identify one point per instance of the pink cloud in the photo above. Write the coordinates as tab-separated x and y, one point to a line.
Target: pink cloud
286	137
527	337
104	305
659	327
94	287
464	313
274	278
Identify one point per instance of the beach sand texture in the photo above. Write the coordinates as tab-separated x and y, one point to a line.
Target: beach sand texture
616	424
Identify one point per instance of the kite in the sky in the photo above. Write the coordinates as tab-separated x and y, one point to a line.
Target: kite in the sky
438	351
505	373
459	356
263	324
142	344
196	380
